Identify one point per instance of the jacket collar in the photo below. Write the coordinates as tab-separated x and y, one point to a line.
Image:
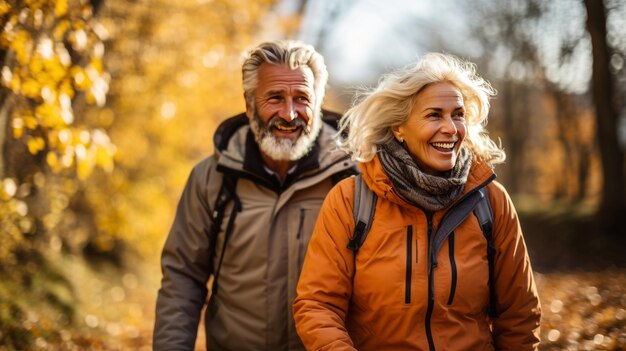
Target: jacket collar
253	163
377	180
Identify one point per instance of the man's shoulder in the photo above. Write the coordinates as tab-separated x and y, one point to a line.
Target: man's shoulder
205	167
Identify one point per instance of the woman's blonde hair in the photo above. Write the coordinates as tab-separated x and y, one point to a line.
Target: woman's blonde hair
369	122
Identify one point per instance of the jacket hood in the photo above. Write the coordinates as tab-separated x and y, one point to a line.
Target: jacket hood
226	129
378	180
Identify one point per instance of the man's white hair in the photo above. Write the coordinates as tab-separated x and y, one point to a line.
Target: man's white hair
291	53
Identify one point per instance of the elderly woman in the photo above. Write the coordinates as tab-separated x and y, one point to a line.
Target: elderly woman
420	140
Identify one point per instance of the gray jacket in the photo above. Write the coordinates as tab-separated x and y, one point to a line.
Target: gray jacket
263	256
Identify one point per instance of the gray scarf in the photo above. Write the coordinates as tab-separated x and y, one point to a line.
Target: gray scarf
429	192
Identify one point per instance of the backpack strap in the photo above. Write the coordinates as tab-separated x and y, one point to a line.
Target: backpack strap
341	175
226	194
363	211
484	214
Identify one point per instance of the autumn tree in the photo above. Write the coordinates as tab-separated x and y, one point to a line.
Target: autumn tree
559	137
613	205
142	111
51	70
172	83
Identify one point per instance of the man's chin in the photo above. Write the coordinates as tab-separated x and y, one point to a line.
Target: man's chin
287	136
285	149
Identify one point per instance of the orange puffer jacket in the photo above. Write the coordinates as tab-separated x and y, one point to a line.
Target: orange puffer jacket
385	298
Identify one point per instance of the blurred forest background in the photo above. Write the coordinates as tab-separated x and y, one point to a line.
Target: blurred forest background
105	105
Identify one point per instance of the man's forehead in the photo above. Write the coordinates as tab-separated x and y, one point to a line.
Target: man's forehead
276	75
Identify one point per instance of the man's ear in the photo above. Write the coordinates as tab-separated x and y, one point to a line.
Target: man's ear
248	107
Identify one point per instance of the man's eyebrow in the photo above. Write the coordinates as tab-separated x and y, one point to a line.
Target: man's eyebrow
275	92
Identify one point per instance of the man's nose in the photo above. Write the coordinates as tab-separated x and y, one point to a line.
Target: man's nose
288	111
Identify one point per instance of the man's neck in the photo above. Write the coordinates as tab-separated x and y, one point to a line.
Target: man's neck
281	168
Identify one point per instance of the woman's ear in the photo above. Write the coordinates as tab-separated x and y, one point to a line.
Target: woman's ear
397	134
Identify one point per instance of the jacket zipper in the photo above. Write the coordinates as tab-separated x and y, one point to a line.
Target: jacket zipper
409	264
301	246
452	268
431	288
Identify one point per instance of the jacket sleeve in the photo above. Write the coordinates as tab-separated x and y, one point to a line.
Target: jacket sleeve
185	268
325	285
517	301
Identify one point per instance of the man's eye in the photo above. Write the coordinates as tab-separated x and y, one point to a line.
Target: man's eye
303	99
274	98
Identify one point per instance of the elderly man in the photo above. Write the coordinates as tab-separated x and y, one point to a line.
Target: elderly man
247	212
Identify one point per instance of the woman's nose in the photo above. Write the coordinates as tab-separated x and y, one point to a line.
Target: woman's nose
449	127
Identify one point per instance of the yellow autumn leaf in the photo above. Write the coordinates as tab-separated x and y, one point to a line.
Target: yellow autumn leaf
22	45
96	63
35	65
4	8
66	88
49	115
90	98
53	161
67	160
18	132
30	121
60	8
31	88
81	80
35	145
84	167
61	28
104	159
15	84
56	70
18	127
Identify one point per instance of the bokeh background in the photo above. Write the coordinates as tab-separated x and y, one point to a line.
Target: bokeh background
105	105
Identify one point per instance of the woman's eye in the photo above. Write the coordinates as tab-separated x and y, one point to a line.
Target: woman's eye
459	114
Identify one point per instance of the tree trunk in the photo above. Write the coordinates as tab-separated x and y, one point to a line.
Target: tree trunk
613	203
5	128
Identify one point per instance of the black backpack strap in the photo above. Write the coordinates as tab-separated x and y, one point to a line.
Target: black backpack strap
226	194
484	214
363	211
341	175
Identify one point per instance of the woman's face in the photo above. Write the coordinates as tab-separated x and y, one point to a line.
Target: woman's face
435	129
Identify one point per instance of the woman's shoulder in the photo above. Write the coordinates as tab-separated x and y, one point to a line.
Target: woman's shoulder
497	191
344	188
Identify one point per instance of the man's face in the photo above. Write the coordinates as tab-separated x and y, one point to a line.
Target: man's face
283	117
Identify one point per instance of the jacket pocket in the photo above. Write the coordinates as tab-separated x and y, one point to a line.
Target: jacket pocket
409	263
453	270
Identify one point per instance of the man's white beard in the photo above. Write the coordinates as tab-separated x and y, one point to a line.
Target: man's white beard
284	149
